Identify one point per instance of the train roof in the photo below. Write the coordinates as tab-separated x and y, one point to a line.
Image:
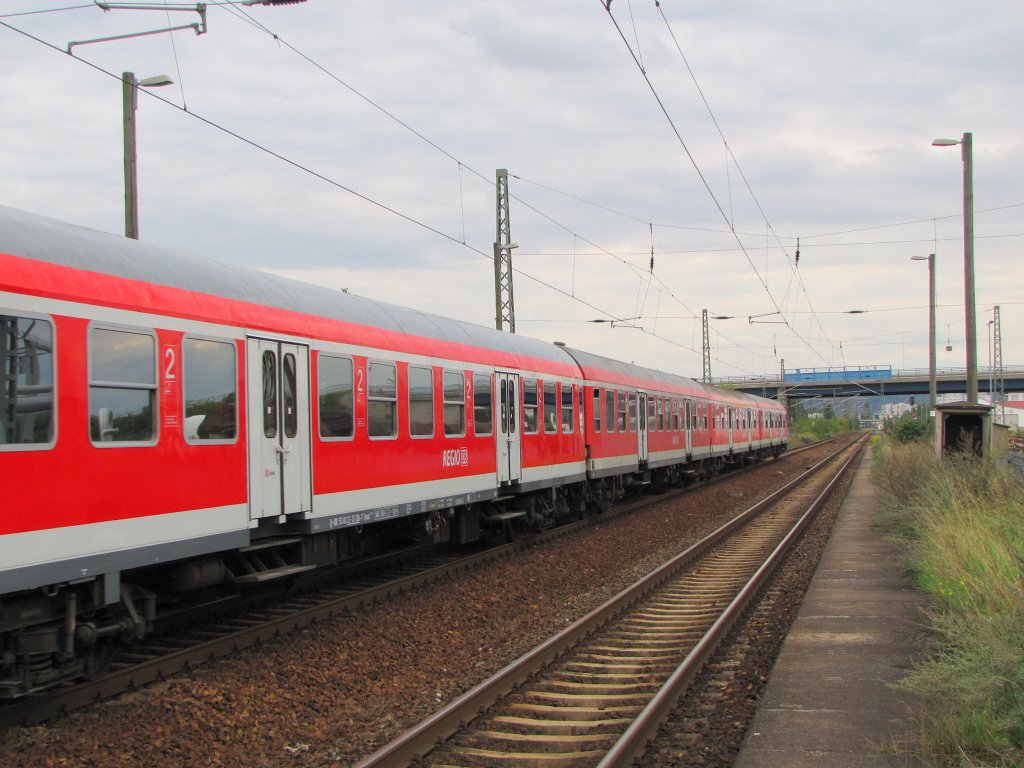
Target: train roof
599	368
37	237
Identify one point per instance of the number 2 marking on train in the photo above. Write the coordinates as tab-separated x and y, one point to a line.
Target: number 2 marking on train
171	359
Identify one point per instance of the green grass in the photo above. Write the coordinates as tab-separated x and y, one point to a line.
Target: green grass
805	430
962	522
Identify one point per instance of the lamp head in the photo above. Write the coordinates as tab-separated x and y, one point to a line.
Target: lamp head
156	81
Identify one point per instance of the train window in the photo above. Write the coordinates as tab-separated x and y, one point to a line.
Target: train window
334	394
609	410
381	400
210	390
597	409
454	404
503	422
269	394
621	423
567	408
291	411
26	397
530	406
632	412
652	422
421	401
675	415
550	407
122	386
483	408
661	414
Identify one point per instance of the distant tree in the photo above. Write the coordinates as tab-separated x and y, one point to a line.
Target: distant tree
907	428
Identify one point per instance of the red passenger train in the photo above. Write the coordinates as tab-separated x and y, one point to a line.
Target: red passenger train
170	424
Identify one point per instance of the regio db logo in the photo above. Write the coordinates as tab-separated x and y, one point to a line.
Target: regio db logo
455	457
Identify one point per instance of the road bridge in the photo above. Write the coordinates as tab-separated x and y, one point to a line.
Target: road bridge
871	382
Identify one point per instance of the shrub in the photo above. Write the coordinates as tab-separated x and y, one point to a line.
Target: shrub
907	428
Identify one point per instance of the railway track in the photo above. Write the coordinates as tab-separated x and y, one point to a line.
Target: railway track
596	693
170	653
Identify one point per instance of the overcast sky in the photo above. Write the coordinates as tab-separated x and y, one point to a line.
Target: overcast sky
392	118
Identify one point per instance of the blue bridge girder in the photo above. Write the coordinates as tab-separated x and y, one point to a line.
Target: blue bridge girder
902	383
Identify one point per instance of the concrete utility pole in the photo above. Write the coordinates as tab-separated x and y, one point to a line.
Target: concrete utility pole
129	104
970	318
706	344
966	144
504	305
129	94
932	385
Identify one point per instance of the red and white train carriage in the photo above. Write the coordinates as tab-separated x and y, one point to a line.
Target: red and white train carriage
644	425
169	423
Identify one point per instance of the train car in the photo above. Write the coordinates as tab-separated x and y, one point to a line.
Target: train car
646	426
170	425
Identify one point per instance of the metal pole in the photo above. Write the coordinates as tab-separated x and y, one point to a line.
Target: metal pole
988	325
504	301
706	344
933	392
969	310
129	96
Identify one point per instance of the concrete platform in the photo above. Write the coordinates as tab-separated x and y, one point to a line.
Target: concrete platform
828	701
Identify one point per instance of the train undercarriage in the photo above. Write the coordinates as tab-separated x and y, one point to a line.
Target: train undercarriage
70	631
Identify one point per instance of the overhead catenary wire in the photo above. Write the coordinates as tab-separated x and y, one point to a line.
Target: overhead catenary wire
618	253
366	198
700	174
794	272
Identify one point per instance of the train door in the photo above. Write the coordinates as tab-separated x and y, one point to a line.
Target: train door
510	456
729	425
279	452
641	426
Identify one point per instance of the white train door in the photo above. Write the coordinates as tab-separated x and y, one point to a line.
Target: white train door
641	425
279	451
509	443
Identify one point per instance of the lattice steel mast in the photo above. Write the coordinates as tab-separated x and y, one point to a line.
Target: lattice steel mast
707	348
504	306
997	364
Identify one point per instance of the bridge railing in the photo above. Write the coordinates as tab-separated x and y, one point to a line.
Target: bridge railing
984	373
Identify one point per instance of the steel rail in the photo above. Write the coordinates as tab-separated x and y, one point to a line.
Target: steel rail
419	740
634	740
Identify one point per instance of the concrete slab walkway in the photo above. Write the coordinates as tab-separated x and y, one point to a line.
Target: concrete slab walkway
828	701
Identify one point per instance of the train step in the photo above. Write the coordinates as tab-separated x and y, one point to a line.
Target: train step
269	544
272	573
502	516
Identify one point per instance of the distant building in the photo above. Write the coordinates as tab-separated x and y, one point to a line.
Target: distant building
894	410
1010	413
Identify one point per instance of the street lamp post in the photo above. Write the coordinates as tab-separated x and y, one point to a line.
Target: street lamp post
932	386
969	313
129	103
